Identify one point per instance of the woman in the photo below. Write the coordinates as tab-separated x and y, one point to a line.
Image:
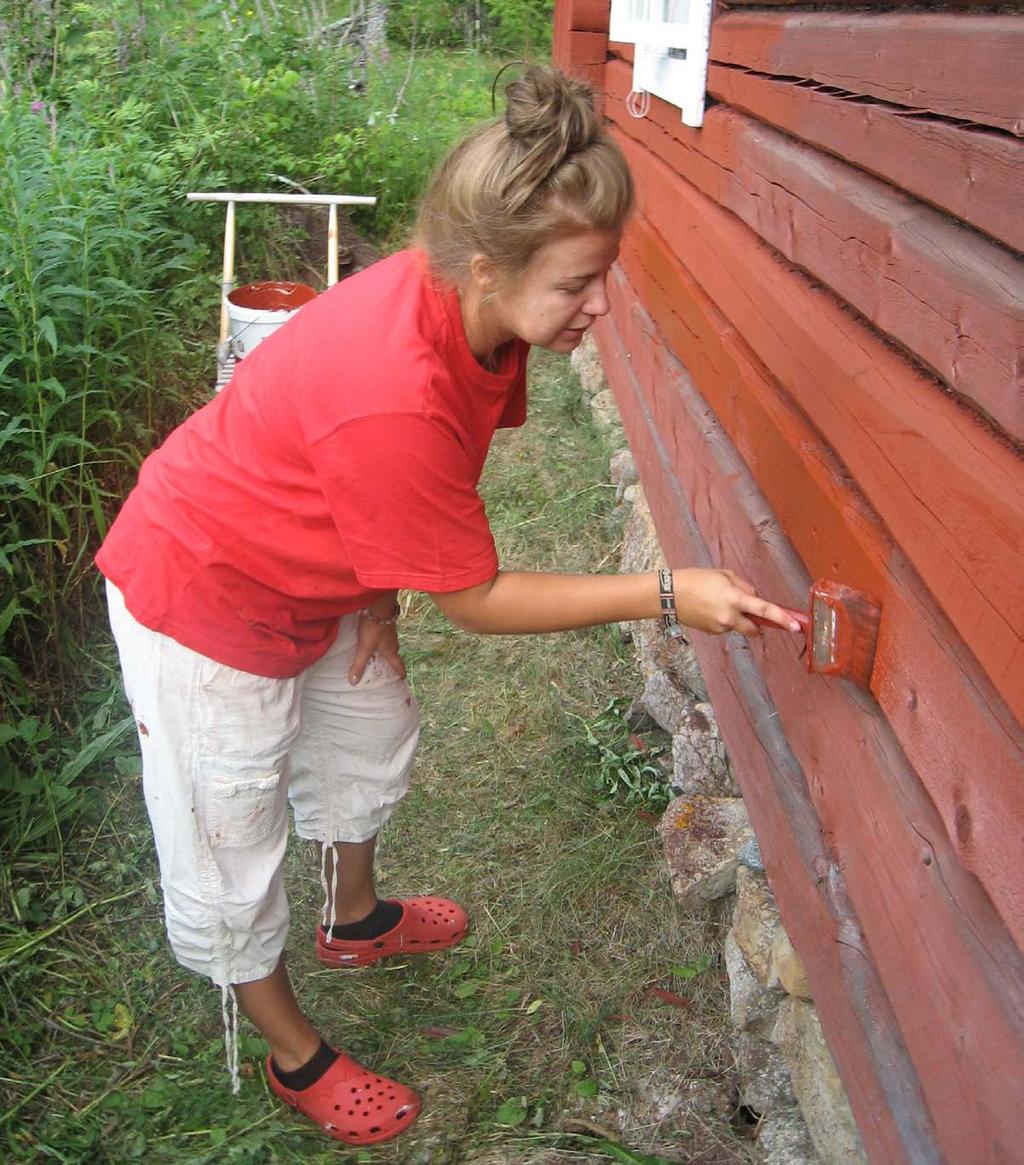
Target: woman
253	572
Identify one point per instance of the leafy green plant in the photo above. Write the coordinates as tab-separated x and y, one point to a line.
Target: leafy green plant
584	1084
85	339
521	27
692	970
619	764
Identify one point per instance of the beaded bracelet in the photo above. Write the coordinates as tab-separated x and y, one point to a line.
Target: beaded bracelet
390	621
667	599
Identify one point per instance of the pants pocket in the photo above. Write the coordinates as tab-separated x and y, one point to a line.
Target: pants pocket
242	811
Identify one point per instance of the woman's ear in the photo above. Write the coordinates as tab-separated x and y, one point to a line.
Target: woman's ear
483	272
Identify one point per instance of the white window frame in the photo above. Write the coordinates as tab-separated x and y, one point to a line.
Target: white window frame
670	59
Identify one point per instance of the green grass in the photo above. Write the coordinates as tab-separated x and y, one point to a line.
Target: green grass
526	1041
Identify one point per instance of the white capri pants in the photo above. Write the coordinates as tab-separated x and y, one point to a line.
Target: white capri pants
223	754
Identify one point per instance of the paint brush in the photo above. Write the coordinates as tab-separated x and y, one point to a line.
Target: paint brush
841	631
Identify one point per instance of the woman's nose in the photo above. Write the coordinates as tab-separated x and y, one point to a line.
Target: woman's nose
597	303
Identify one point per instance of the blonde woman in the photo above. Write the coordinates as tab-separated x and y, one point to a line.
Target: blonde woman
253	573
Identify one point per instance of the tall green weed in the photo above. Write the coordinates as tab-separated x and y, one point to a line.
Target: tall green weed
86	342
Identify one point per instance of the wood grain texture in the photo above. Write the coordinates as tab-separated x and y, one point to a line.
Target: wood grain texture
952	975
858	1022
586	48
842	5
581	54
951	495
586	15
953	298
976	176
951	724
561	25
964	66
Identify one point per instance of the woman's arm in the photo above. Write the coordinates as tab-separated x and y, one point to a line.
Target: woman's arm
520	603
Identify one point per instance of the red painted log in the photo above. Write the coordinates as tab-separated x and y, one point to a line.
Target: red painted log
561	25
950	972
582	55
880	1080
961	66
943	710
587	48
954	299
973	175
586	15
937	5
951	495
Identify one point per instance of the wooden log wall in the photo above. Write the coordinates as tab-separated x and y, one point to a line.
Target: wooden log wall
816	344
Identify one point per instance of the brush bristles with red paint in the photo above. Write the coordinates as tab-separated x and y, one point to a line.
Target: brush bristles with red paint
842	631
843	634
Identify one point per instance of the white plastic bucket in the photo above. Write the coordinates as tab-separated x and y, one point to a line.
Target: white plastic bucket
257	309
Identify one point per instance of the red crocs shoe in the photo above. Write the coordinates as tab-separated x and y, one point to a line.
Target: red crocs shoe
351	1104
427	924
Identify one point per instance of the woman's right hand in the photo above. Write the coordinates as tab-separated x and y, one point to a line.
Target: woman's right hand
718	601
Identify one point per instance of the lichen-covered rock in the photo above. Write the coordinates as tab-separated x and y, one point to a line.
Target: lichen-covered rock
660	652
787	968
816	1083
641	549
701	836
605	410
586	363
783	1139
656	651
666	703
749	855
700	762
755	922
762	1076
622	471
753	1006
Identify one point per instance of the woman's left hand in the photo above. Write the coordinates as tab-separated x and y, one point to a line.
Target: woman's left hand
374	638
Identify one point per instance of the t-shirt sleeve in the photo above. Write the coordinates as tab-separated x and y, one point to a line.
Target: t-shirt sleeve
401	489
514	413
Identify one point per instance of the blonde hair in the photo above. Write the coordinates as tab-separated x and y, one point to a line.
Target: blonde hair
546	169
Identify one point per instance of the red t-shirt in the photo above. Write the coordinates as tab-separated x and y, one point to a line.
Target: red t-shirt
342	460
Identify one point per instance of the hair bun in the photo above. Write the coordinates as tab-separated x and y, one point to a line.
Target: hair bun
549	117
545	102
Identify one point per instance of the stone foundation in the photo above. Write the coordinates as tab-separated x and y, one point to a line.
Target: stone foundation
785	1075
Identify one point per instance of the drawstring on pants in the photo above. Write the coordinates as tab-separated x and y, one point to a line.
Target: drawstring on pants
327	882
231	1034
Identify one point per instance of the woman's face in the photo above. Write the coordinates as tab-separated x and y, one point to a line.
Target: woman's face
560	293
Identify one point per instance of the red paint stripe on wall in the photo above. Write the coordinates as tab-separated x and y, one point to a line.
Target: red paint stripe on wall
951	496
952	725
921	918
952	297
961	66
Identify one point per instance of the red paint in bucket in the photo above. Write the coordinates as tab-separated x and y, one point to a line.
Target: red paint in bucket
272	295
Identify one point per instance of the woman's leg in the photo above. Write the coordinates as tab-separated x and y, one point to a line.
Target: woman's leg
355	894
215	745
350	768
271	1006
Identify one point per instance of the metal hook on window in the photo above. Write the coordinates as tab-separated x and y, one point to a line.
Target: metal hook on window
638	103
